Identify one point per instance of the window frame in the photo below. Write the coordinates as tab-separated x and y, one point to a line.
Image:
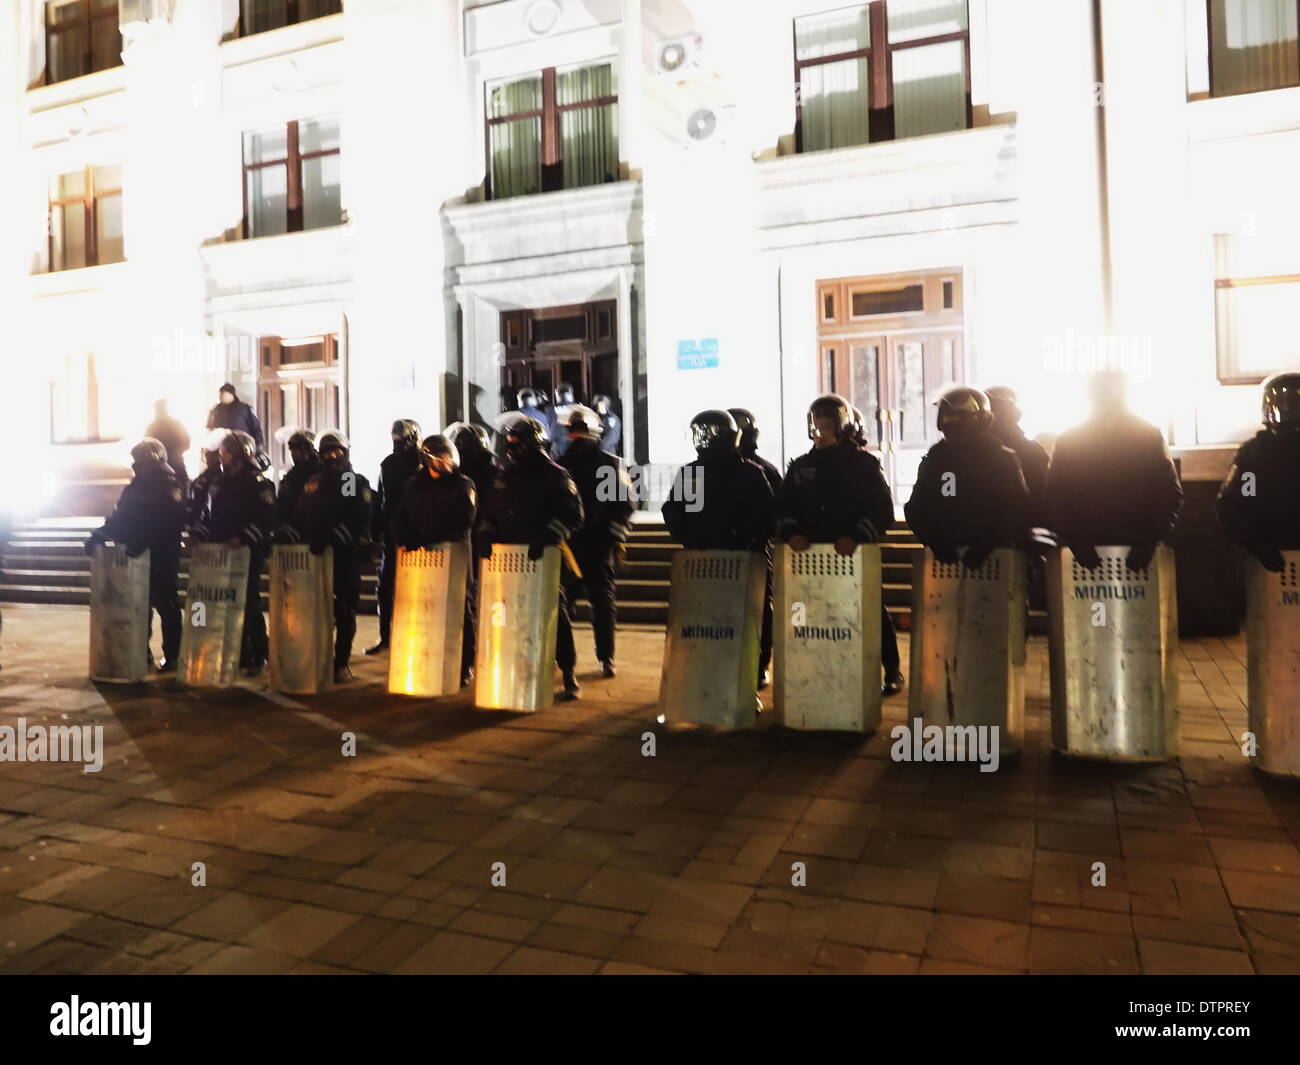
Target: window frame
1227	367
880	71
87	22
291	17
292	162
552	157
1209	59
89	200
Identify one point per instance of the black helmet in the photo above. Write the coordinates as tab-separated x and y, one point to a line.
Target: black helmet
406	432
748	427
523	435
714	430
467	436
1282	402
858	430
333	439
439	445
1003	402
238	442
149	452
831	406
963	409
303	438
581	420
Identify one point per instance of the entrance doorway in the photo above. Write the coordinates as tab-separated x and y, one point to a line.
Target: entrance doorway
575	344
298	386
888	344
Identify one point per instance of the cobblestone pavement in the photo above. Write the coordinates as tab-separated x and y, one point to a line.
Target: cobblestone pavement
615	862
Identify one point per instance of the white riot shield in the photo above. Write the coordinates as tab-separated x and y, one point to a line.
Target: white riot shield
827	638
1273	664
518	608
424	653
968	645
715	614
212	624
302	619
1113	649
119	614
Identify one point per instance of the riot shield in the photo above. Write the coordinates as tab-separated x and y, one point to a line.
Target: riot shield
715	613
424	654
968	645
1273	664
518	603
302	619
827	639
212	625
119	614
1113	648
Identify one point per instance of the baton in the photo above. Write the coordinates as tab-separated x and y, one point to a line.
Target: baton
570	560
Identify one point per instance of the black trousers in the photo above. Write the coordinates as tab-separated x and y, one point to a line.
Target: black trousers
387	585
469	640
765	635
597	565
888	644
566	657
164	598
347	596
254	648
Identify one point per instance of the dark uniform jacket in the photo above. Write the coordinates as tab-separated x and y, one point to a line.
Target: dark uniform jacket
173	437
1111	481
395	472
334	511
291	486
838	491
1034	461
237	416
1270	515
531	502
772	474
435	510
199	500
606	492
150	514
737	509
243	507
984	505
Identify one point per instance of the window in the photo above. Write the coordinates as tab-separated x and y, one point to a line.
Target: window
1256	293
81	37
258	16
74	401
554	130
291	178
881	71
1253	45
85	219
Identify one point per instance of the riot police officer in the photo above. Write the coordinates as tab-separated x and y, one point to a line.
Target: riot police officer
748	427
395	472
242	514
969	489
534	502
439	506
477	462
150	515
720	501
1033	456
199	495
1259	503
1112	481
306	464
607	506
611	425
565	401
530	405
334	510
837	494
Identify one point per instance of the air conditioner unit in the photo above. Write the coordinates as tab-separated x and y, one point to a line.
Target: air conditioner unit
135	12
680	57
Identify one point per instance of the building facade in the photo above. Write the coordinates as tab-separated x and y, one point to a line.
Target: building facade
374	209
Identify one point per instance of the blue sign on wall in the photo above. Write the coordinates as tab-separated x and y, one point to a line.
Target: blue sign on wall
697	354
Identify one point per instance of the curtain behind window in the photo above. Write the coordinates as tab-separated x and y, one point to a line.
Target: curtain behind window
929	79
588	135
1253	45
833	96
516	146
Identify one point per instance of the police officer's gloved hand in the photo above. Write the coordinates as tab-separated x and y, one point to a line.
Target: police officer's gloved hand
287	534
976	555
135	552
1140	556
1271	559
845	545
91	543
945	552
799	542
535	550
318	547
1086	555
485	549
412	545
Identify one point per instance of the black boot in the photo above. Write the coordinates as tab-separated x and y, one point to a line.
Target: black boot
893	683
572	689
374	649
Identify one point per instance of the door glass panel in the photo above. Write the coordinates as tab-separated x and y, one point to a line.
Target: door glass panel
866	384
909	367
828	369
948	369
902	300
